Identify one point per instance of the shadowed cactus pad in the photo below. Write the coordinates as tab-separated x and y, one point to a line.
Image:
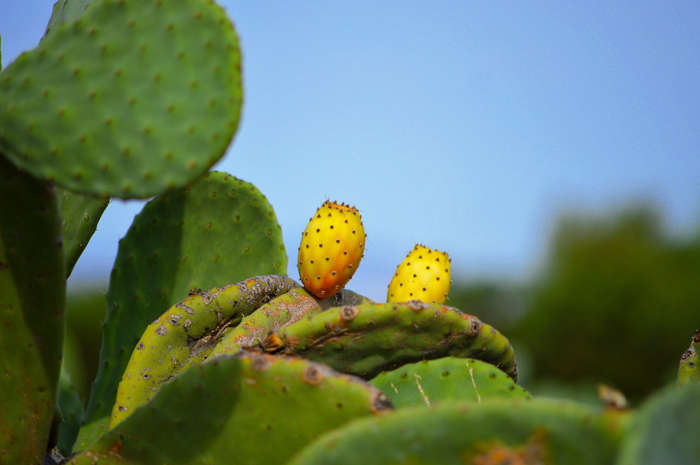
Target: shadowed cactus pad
492	433
367	339
429	383
32	295
79	217
132	98
218	230
245	409
665	429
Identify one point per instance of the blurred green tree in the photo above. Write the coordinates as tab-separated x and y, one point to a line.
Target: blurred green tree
616	302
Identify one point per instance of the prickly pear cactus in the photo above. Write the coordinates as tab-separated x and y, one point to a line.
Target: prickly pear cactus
689	367
276	314
431	382
130	99
32	295
367	339
491	433
70	411
665	430
186	333
245	409
217	231
79	217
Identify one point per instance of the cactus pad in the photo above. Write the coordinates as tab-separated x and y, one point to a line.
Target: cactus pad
276	314
187	332
665	430
32	296
70	412
689	367
79	217
493	433
367	339
244	409
132	98
435	381
217	231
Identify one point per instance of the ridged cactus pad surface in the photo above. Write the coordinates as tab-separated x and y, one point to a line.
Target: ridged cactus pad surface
186	333
244	409
32	297
491	433
130	99
367	339
665	430
431	382
217	231
273	316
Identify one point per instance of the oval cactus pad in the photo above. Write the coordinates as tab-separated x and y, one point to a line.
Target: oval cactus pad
367	339
243	409
217	231
492	433
132	98
431	382
32	296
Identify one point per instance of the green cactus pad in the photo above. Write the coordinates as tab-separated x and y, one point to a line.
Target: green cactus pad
186	333
689	367
492	433
132	98
79	216
217	231
65	11
70	413
278	313
432	382
367	339
79	213
32	297
245	409
665	430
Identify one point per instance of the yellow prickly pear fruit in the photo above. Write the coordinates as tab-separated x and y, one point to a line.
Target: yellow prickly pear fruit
331	248
423	275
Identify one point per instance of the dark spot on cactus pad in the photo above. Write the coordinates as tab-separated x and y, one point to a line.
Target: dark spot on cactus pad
312	375
259	363
161	330
381	402
349	313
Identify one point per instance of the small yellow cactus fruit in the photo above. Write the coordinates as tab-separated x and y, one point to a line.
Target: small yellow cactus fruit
423	275
331	249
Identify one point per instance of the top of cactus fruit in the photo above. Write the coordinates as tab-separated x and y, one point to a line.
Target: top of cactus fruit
340	206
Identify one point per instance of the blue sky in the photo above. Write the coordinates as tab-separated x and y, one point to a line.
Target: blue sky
463	125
